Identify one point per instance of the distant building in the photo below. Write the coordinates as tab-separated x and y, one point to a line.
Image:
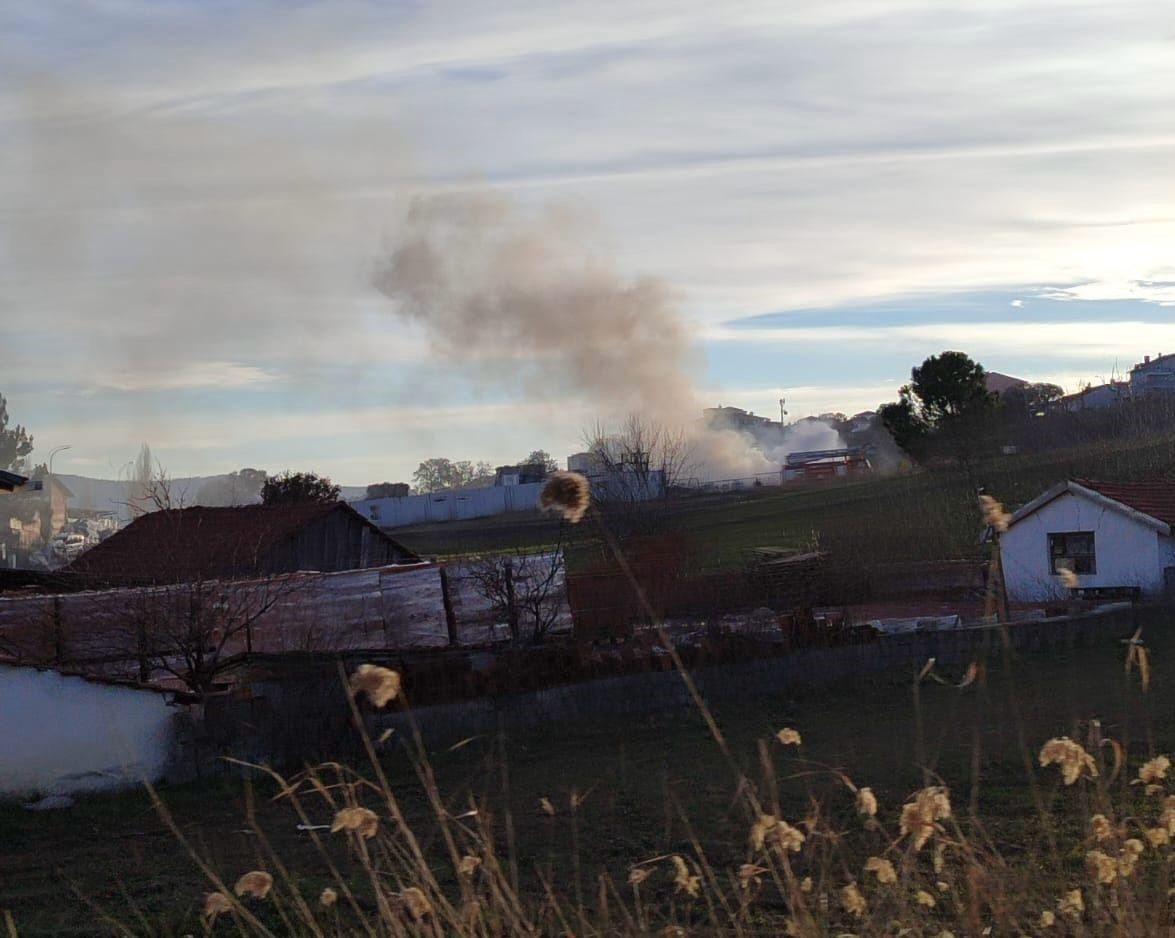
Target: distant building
1097	397
186	544
520	475
1153	376
1094	538
999	383
736	418
11	482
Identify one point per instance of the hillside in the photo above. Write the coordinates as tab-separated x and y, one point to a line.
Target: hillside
111	494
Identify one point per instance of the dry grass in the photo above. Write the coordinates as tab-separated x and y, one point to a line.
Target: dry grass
846	865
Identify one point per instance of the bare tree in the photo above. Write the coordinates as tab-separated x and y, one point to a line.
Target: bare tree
188	630
643	455
526	590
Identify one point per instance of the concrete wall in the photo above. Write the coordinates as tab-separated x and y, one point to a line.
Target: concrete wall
1127	553
449	506
61	734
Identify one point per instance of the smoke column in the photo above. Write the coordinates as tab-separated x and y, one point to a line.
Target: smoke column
512	296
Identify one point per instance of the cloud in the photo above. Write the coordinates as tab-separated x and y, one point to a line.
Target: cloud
1042	341
209	185
189	376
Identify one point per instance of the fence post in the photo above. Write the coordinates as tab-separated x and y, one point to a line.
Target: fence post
447	602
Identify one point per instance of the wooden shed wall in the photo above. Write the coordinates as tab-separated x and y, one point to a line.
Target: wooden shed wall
337	541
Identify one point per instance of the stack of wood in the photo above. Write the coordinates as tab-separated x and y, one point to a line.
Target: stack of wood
785	578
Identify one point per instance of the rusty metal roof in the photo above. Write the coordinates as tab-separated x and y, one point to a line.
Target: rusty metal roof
200	543
1155	498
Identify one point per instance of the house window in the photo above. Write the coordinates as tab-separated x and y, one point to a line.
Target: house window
1072	550
373	511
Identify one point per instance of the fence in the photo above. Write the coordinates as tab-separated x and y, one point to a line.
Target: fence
299	712
125	632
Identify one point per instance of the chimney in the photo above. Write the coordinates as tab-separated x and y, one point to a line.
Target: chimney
1146	359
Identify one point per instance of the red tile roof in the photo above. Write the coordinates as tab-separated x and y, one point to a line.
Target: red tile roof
1155	498
201	543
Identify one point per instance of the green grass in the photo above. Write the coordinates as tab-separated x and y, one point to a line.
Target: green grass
923	516
644	779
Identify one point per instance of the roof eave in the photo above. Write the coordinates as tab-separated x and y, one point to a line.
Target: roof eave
1074	488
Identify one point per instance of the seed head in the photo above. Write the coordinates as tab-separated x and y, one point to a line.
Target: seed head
1073	760
683	879
993	513
1102	866
867	802
853	901
1154	770
1072	904
215	903
416	902
788	737
256	884
567	493
328	898
1103	830
882	868
363	821
919	816
381	685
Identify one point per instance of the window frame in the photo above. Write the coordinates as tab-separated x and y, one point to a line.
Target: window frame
1075	557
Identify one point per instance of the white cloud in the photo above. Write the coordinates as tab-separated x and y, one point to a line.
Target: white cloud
188	376
1042	341
207	185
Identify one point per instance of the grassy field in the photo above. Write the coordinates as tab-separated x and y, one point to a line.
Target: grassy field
650	787
930	515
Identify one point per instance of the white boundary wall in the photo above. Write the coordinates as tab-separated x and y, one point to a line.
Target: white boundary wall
61	734
396	512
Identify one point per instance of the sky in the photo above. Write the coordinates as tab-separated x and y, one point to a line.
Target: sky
197	199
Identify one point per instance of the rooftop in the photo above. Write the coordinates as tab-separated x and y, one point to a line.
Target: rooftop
1155	498
191	543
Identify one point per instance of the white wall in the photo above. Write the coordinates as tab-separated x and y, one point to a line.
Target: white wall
1128	553
449	506
60	735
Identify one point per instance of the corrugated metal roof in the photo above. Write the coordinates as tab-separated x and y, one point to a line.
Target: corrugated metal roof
186	543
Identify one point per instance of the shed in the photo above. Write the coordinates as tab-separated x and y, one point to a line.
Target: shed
1113	538
10	481
68	733
186	544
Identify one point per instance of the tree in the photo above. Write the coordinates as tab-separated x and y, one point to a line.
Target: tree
188	630
640	447
438	474
944	392
1031	399
297	488
903	421
525	590
540	457
15	444
950	385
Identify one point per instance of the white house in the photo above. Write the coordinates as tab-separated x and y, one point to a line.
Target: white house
61	734
1111	536
1153	376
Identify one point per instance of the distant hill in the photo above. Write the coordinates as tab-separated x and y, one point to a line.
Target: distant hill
111	494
